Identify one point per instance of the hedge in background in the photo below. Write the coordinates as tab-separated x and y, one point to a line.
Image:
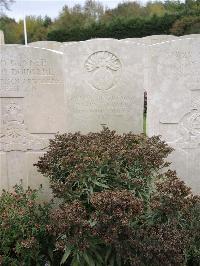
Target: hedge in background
118	28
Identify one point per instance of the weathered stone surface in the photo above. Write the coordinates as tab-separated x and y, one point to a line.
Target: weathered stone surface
32	110
2	37
66	43
153	39
52	45
190	36
174	103
104	86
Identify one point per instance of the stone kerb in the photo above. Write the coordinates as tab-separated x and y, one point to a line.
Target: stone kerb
104	85
31	111
173	82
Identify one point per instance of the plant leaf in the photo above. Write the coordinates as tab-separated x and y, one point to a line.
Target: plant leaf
112	261
65	256
118	260
108	254
88	259
100	184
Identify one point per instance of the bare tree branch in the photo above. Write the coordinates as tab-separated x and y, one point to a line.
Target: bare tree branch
6	4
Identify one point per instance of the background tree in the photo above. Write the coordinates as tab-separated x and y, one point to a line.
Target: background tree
36	29
174	6
47	21
12	30
93	10
125	9
186	25
155	8
6	4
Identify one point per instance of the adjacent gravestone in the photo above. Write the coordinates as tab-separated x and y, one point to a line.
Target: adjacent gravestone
104	86
174	103
1	37
190	36
32	110
153	39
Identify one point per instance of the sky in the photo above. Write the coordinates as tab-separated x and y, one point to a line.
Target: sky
48	7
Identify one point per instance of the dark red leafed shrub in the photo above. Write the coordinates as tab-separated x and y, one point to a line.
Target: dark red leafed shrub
113	213
161	244
118	227
79	165
117	208
24	238
171	197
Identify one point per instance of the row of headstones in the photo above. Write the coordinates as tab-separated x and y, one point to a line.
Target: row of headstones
58	46
98	83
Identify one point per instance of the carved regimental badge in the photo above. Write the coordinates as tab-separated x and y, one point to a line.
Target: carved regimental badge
15	136
105	69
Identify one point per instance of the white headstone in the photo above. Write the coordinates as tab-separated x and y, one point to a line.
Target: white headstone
153	39
104	86
32	110
190	36
174	103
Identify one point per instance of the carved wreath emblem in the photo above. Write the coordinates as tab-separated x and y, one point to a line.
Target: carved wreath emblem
104	67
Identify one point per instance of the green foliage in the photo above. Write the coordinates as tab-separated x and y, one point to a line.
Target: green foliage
24	238
36	27
118	28
11	29
186	25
